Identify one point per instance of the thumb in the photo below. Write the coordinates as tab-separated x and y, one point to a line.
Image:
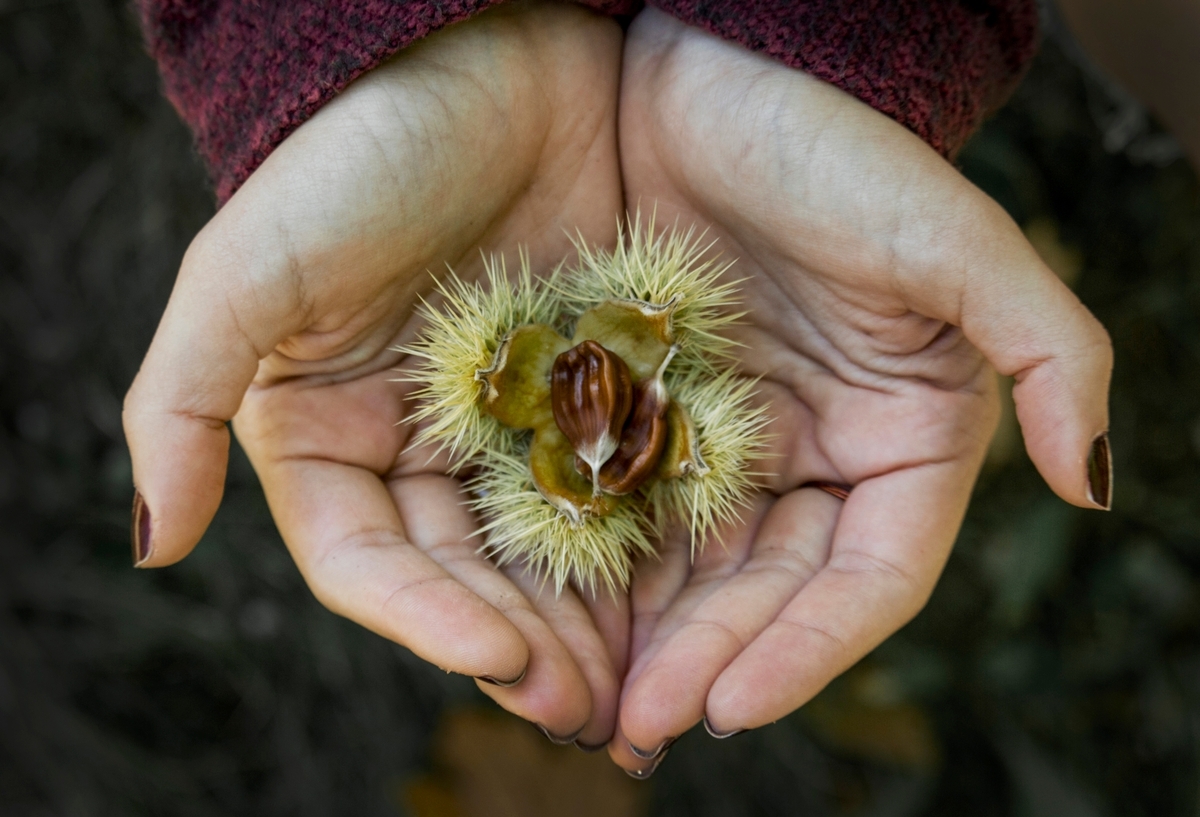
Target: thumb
203	357
1030	326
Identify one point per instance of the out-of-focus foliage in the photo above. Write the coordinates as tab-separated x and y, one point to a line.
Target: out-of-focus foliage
1056	670
489	763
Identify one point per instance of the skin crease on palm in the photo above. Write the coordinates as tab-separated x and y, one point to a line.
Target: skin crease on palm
873	275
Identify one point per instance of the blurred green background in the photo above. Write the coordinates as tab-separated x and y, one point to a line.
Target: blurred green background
1055	672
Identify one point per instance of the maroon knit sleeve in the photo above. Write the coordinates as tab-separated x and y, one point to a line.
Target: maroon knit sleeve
244	74
938	67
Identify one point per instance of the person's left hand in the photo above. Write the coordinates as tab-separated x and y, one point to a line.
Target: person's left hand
877	280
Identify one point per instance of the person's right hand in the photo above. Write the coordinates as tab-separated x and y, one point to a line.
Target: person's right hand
495	131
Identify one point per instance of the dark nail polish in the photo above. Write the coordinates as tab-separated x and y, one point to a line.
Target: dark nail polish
589	748
644	774
708	727
496	682
842	492
555	739
644	755
1100	472
140	530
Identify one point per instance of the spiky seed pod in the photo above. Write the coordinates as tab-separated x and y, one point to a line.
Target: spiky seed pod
461	337
521	526
659	269
729	432
652	313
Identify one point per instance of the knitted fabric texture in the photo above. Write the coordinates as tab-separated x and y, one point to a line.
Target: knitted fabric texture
244	74
938	67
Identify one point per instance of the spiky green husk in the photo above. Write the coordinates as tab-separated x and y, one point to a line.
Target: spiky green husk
731	433
654	269
461	338
522	527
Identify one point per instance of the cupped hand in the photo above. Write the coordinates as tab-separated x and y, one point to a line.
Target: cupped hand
881	289
492	134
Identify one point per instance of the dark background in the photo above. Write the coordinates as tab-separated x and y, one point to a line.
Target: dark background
1055	672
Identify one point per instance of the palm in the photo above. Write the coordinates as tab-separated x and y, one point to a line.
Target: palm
497	131
849	232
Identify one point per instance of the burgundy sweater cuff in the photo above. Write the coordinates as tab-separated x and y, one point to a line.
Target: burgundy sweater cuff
938	67
244	75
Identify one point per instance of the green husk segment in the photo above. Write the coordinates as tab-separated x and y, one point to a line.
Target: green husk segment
658	270
461	337
552	467
517	383
640	333
522	527
681	454
484	373
729	431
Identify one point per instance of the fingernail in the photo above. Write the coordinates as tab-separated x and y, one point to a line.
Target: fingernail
1100	472
644	755
140	529
555	739
644	774
708	727
842	492
496	682
589	748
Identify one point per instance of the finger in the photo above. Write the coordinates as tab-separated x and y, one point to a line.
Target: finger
324	430
957	256
892	539
611	618
319	451
667	599
1030	326
657	580
721	558
555	693
791	545
203	357
572	624
343	530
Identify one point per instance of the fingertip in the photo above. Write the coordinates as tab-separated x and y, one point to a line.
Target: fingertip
448	625
728	709
173	507
1065	424
553	693
500	662
749	694
503	684
663	703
